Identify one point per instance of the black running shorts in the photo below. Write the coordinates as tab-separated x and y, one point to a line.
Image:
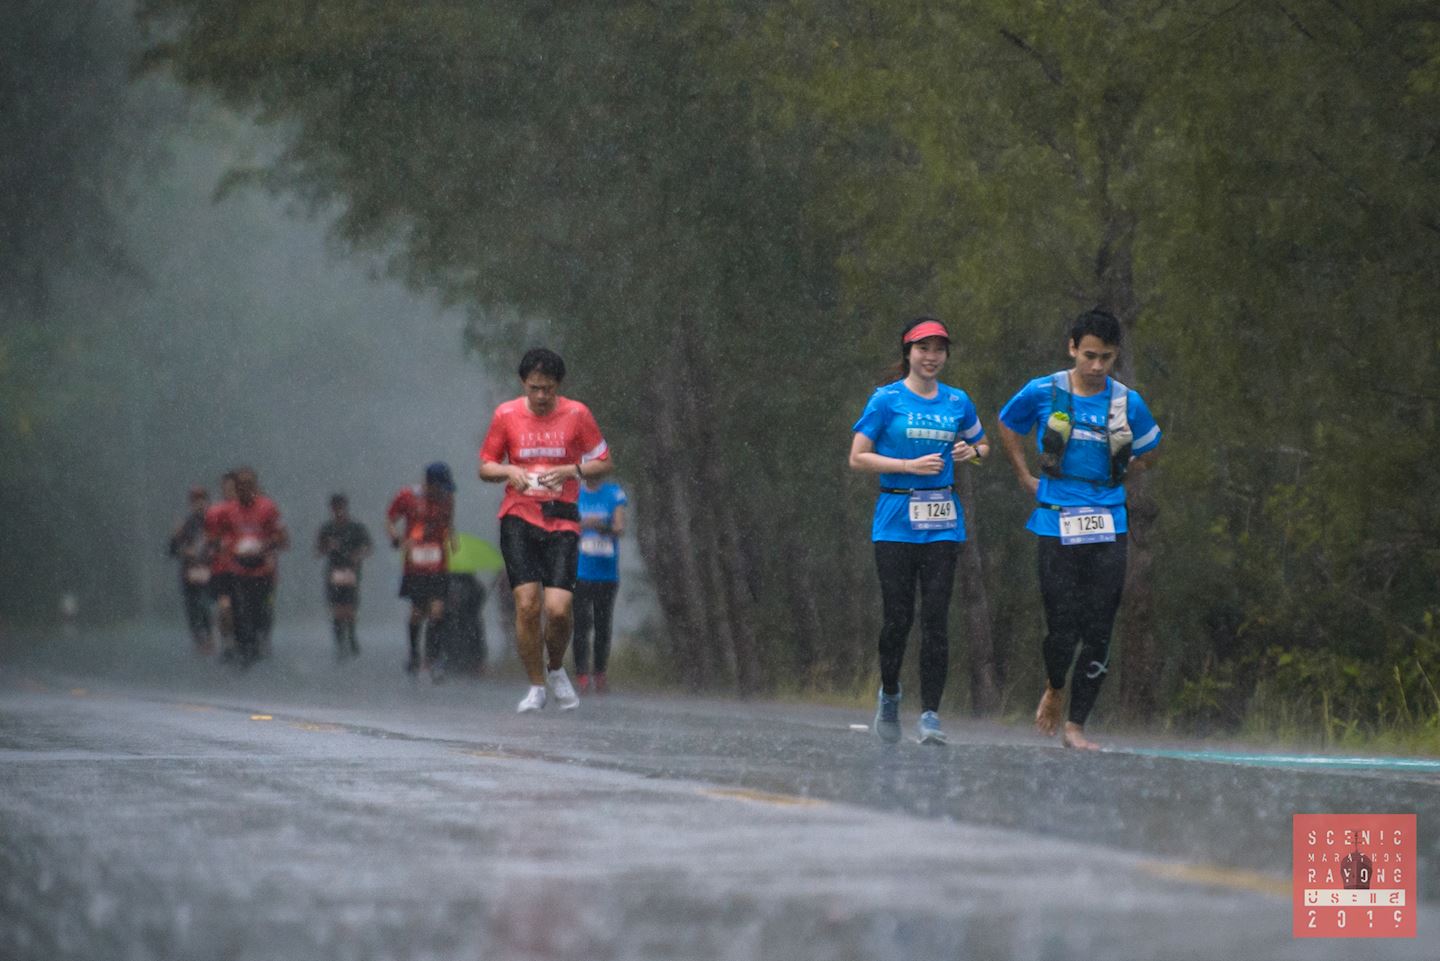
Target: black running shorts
222	584
534	554
421	589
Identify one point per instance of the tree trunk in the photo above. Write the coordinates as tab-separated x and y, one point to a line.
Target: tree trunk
984	682
673	549
1139	660
740	602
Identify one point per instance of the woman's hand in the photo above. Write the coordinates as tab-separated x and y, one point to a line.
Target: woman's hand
928	465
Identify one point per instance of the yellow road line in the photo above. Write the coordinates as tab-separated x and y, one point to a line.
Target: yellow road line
488	755
79	691
1217	876
762	797
261	717
312	726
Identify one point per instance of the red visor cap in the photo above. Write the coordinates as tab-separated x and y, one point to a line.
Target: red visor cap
931	328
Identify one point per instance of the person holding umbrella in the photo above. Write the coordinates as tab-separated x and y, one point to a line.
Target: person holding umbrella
463	628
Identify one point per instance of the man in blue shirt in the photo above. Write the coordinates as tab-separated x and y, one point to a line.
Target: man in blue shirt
1092	431
602	521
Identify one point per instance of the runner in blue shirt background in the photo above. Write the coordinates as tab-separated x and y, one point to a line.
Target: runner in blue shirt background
1091	432
912	434
602	521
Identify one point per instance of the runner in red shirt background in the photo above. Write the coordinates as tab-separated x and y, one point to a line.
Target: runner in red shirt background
222	570
540	445
249	530
420	523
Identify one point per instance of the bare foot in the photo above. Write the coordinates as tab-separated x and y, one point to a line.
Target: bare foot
1047	715
1075	737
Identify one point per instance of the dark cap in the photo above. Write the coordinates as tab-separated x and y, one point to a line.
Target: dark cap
438	473
199	491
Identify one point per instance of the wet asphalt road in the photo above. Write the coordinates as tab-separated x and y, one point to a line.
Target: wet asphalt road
156	806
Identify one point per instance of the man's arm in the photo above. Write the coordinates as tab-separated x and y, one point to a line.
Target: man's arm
1145	461
493	472
1014	445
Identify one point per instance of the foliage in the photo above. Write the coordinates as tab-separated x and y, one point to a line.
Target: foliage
722	210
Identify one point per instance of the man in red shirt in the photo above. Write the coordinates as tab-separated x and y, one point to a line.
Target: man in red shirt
541	445
222	570
419	522
248	530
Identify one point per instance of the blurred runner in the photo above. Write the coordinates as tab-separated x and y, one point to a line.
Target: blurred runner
912	433
250	529
189	545
222	569
541	445
463	628
419	523
602	521
1091	432
344	543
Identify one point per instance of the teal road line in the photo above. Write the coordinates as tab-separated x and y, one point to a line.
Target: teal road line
1309	761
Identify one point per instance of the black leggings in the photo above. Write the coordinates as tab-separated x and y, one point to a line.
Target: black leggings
597	598
253	614
1081	586
197	608
901	566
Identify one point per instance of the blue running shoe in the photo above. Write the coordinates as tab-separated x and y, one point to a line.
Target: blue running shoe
928	729
887	716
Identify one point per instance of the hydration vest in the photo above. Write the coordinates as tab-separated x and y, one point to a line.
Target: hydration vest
1055	437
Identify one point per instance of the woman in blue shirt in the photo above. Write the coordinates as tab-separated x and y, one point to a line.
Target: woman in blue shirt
1091	431
602	521
912	434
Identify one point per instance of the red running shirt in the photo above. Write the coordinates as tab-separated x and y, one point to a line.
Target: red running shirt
246	534
568	435
220	560
427	526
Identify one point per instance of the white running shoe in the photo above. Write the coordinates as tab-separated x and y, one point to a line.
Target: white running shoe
534	701
565	696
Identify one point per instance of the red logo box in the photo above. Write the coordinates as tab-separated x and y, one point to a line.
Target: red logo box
1354	875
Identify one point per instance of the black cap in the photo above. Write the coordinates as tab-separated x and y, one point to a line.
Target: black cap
438	473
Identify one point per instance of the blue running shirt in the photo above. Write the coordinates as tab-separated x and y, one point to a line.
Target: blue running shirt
599	553
903	424
1087	454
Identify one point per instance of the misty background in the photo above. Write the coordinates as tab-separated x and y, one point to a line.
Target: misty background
178	329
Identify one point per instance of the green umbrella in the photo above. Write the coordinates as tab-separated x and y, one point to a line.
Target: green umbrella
474	556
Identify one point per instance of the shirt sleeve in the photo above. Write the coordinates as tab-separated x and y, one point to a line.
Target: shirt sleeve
1022	411
620	499
273	524
588	439
398	505
494	449
1142	425
872	419
215	522
970	427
